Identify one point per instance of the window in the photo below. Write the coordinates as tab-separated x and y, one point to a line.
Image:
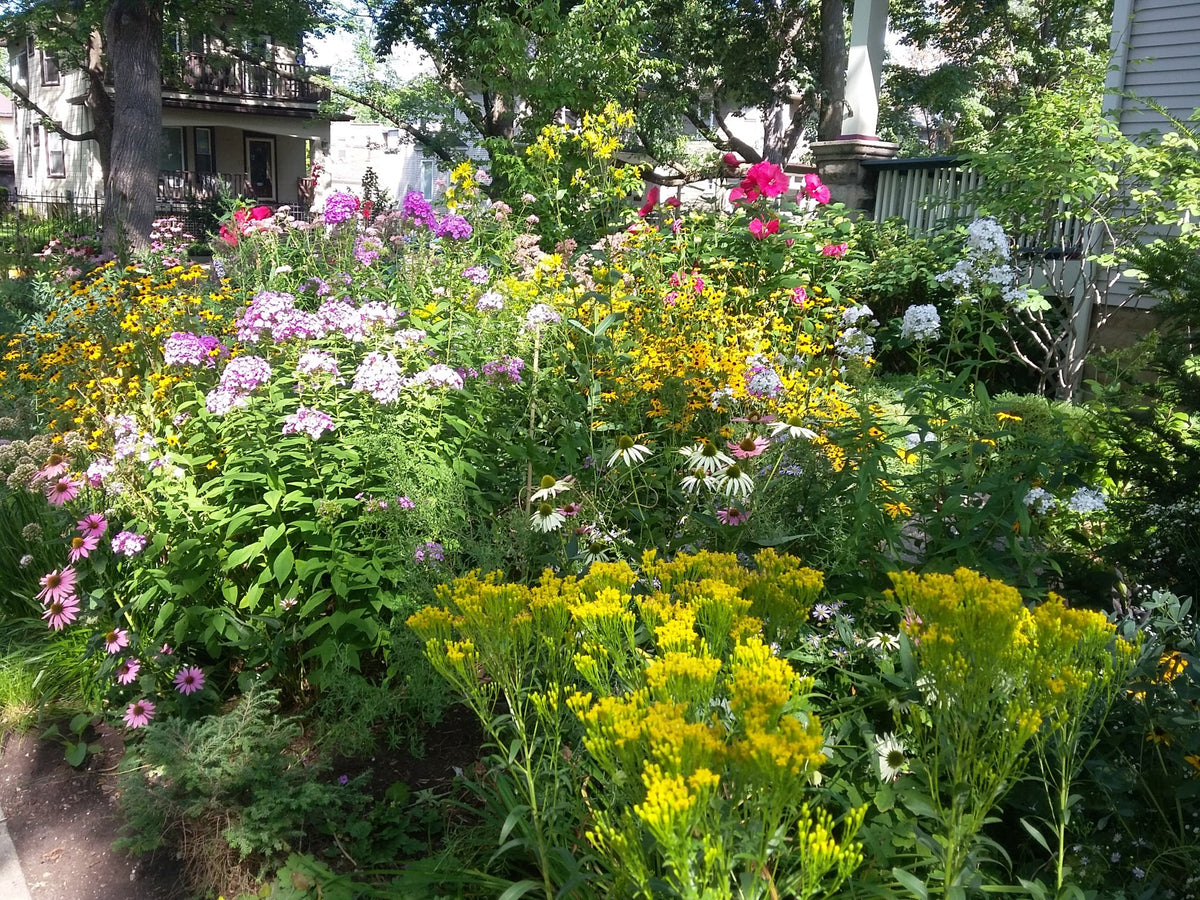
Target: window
37	135
203	146
172	151
56	155
21	70
29	151
49	68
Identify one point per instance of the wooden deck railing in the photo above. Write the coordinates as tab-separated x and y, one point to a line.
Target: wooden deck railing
211	73
193	187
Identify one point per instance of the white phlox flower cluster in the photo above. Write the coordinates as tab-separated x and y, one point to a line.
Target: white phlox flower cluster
921	323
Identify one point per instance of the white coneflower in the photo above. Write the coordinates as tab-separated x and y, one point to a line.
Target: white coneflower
697	480
546	518
628	452
706	456
793	428
736	483
881	641
552	487
893	758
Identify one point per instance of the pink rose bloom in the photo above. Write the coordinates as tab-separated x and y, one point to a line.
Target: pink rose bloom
835	250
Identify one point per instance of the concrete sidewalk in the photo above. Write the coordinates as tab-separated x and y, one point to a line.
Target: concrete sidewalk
12	879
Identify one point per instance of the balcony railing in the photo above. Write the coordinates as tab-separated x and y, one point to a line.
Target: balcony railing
214	74
191	187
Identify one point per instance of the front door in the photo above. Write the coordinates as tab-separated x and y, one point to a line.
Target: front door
260	166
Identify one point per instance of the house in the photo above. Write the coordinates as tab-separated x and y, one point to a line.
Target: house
229	127
8	138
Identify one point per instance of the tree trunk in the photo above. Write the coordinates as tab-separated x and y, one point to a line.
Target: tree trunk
134	30
834	58
99	103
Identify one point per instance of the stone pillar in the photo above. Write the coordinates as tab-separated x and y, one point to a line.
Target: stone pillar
864	66
839	163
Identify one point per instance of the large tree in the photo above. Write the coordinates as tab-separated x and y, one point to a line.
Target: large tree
118	44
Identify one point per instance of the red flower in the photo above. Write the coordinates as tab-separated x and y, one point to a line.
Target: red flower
815	189
228	236
731	160
260	212
770	180
672	202
835	250
366	209
651	201
760	229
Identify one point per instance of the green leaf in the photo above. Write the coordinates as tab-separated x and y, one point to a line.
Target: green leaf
284	562
912	882
1035	834
520	889
76	753
168	608
239	558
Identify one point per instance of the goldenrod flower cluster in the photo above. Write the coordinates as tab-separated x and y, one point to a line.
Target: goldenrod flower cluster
701	733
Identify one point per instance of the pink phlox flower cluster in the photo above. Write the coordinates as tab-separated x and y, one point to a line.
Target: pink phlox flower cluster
245	374
416	208
317	362
338	315
454	227
431	553
407	337
307	420
378	313
183	348
763	179
476	275
438	375
489	302
366	249
504	371
379	375
340	207
129	543
541	314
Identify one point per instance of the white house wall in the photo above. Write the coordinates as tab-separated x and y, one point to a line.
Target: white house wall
83	178
356	146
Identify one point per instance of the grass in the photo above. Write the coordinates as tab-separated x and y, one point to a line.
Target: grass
42	675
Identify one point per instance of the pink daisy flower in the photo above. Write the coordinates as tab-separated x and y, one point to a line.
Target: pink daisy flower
750	445
127	671
571	509
139	713
55	467
189	679
58	585
92	525
60	613
82	546
115	640
732	516
62	491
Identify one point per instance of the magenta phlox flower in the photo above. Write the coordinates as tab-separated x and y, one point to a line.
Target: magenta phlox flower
62	612
504	371
139	713
835	250
115	640
127	671
307	420
189	679
64	490
815	189
129	543
366	249
98	471
92	525
82	546
183	348
379	375
57	585
417	209
454	227
340	207
438	375
430	553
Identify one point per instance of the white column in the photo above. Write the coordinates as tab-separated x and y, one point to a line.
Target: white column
863	69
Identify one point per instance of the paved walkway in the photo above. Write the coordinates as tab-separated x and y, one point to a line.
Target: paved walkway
12	879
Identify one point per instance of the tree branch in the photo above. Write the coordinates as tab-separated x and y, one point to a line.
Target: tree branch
48	121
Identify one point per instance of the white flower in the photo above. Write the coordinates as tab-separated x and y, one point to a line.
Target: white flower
736	483
893	758
697	480
792	428
854	313
921	323
546	518
541	314
706	456
986	236
1088	500
915	440
628	452
881	641
959	276
1041	499
552	487
853	342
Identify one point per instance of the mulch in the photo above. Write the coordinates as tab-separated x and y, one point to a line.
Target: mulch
64	821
